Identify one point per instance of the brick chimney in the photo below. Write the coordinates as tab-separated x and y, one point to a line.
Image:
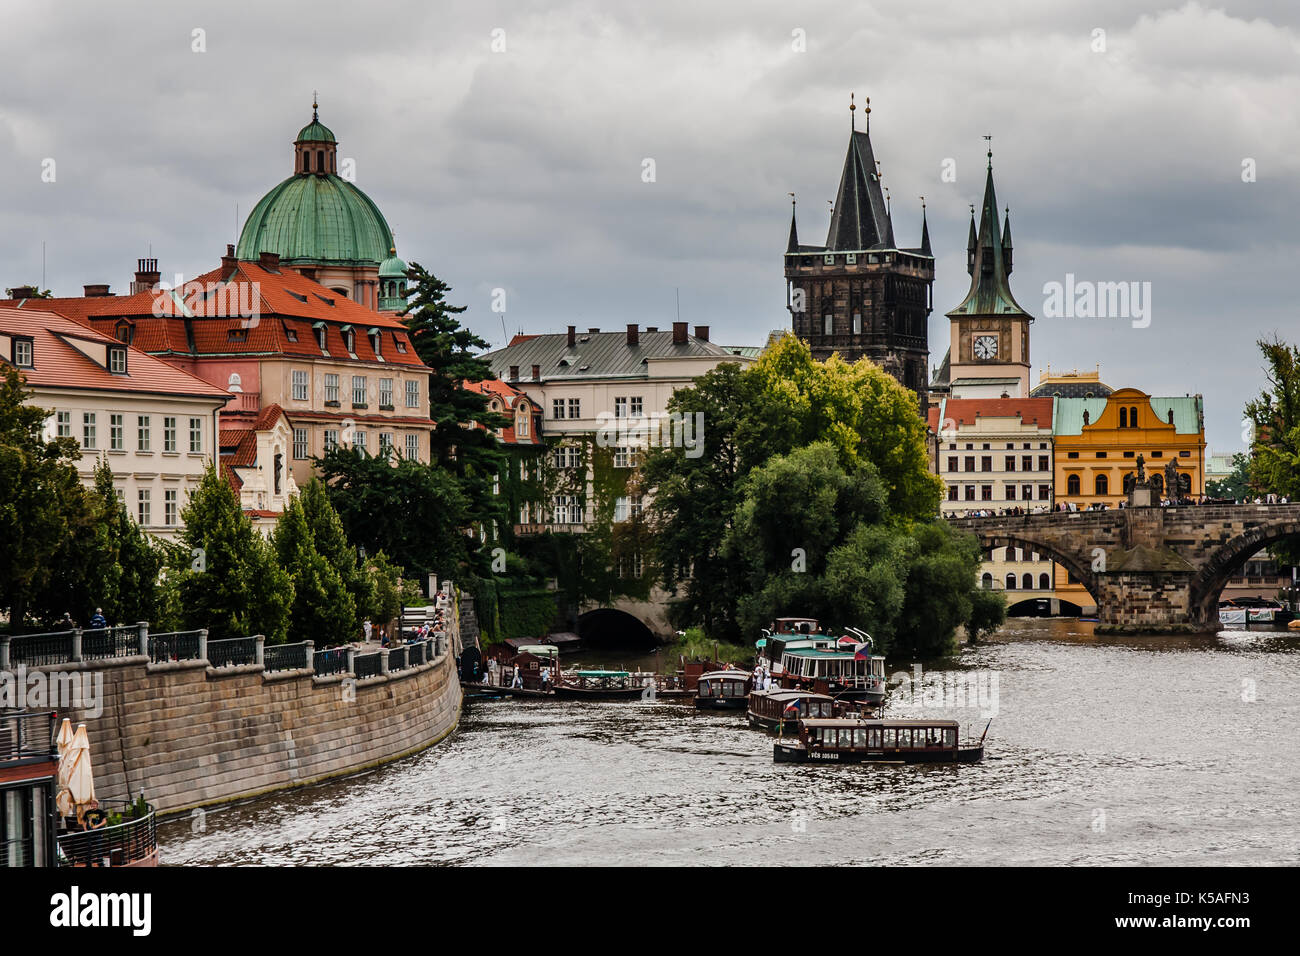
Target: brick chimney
97	291
22	292
573	336
514	373
228	263
702	332
270	261
537	373
633	335
679	333
147	276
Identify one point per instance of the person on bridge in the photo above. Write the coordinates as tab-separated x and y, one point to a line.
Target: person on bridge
97	622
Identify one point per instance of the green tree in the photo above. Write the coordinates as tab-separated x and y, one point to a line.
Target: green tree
42	501
332	544
323	610
1275	421
233	584
1236	485
413	512
391	592
464	436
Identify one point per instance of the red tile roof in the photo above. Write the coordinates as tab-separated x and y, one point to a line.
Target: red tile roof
509	395
58	363
254	312
1031	411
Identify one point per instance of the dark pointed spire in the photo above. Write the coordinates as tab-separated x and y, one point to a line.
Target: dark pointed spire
860	219
925	232
1006	240
970	244
793	244
990	291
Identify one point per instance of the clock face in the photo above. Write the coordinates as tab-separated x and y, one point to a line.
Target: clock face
986	346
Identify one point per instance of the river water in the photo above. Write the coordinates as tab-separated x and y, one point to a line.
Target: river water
1161	750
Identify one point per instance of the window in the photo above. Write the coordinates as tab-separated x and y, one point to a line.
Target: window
1101	454
350	341
986	463
299	386
143	429
1073	454
1011	463
575	408
1044	492
1123	418
359	440
412	394
1072	485
1042	463
1184	454
952	463
117	361
1027	492
1044	582
970	462
376	343
169	507
567	510
300	443
1101	485
320	341
1011	582
358	391
952	492
413	447
385	443
116	433
970	492
169	434
196	435
626	457
64	420
1027	581
568	456
331	439
828	325
1026	462
88	430
620	407
331	389
986	493
385	393
857	323
142	506
557	408
1157	454
522	423
23	353
1011	492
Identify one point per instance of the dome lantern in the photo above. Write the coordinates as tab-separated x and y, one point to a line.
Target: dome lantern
315	150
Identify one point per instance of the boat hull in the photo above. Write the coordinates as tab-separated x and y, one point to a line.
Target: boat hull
721	703
797	753
564	692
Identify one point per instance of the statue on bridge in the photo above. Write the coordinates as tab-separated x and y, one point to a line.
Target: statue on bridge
1171	479
1141	472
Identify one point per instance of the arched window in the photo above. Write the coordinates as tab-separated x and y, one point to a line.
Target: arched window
1072	485
1027	582
320	160
1044	582
1132	418
306	161
986	582
1123	418
1011	582
1184	483
1101	485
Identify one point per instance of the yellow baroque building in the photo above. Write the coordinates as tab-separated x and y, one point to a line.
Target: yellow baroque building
1098	441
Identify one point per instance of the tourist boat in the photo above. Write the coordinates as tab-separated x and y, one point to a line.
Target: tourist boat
599	685
722	690
1248	610
800	655
848	740
770	709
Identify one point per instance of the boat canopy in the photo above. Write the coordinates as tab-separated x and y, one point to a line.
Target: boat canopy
793	695
539	650
602	673
865	722
726	675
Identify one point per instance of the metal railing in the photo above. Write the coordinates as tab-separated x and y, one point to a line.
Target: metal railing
27	735
367	665
232	651
175	646
285	657
107	642
54	647
417	653
397	659
333	660
130	841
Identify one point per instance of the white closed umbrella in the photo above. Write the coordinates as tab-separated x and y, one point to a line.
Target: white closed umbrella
81	778
63	796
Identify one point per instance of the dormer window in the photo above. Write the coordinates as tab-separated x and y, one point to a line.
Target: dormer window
401	346
319	329
349	340
376	343
117	361
23	353
124	332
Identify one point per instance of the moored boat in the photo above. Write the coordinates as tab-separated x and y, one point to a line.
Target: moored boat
841	740
599	685
770	709
722	690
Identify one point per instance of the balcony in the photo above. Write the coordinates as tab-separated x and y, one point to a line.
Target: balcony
27	737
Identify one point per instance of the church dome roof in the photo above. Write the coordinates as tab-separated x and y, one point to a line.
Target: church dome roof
315	132
392	267
317	218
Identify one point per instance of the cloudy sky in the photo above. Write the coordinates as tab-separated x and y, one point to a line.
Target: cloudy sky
1120	130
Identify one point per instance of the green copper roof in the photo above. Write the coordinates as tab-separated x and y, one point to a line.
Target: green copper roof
990	287
315	132
392	267
1068	416
313	218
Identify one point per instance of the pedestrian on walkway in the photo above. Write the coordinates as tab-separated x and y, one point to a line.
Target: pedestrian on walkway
367	628
97	622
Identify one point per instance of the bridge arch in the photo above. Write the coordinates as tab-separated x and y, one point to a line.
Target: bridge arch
1226	560
1082	573
609	625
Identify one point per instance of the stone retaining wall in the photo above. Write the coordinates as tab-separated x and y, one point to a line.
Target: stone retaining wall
190	735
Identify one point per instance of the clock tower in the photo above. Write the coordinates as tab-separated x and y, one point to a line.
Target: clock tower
989	344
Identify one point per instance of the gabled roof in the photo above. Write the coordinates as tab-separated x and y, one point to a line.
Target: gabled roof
596	354
60	360
510	398
990	287
1030	411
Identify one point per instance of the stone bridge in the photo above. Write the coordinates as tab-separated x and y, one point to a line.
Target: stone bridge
1149	569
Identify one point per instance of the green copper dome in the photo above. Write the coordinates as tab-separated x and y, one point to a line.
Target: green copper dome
315	132
317	218
392	267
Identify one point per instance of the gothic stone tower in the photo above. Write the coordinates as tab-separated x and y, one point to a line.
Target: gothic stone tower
860	294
